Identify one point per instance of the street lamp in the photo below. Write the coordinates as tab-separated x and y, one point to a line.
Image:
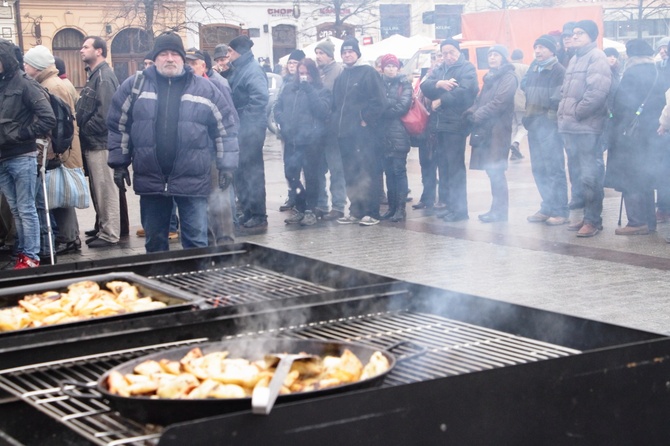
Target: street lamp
296	9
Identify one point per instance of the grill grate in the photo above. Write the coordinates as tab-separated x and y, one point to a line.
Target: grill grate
235	285
428	346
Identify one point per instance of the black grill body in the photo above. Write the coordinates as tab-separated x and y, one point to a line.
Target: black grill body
471	370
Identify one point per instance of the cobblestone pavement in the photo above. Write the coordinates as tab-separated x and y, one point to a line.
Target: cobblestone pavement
621	280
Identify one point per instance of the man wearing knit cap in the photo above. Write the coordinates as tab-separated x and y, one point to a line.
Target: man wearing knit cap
39	64
453	87
177	124
92	110
581	118
358	103
330	70
249	85
27	115
566	51
542	86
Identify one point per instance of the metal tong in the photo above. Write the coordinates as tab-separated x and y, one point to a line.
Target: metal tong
263	398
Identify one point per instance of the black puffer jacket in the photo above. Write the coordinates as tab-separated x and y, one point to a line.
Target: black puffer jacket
449	116
25	111
302	111
394	138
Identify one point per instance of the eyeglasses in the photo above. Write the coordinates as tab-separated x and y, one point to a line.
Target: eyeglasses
578	33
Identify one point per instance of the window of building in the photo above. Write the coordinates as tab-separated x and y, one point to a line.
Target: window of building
129	48
394	19
212	35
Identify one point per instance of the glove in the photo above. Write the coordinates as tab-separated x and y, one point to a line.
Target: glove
225	180
121	174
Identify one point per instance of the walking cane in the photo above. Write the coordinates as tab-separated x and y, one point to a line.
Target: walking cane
620	209
43	173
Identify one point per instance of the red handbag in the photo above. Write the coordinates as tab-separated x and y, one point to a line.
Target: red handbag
416	119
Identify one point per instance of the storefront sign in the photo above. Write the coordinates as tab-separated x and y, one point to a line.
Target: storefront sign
280	12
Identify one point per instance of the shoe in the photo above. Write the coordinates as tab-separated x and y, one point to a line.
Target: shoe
64	248
441	213
91	233
100	243
575	205
492	217
23	262
537	217
422	205
516	154
333	215
588	230
256	223
368	221
632	230
350	220
173	235
141	233
556	221
295	218
576	226
308	219
662	217
89	240
287	206
319	212
454	217
440	205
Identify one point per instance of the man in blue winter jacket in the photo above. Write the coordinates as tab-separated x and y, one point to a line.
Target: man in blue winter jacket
170	134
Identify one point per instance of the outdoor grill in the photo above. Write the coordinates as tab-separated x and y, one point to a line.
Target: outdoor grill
470	370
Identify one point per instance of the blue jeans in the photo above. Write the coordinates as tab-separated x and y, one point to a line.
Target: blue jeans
155	212
17	182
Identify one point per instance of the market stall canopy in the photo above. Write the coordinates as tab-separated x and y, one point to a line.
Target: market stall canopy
609	43
309	50
402	47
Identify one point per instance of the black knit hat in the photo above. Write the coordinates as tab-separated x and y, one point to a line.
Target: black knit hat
567	29
452	42
546	41
589	27
611	52
297	55
350	43
638	47
169	41
195	54
242	44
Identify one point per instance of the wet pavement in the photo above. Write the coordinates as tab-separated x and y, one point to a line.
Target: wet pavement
617	279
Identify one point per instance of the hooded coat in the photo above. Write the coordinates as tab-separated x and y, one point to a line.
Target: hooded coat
492	115
202	118
633	163
25	110
449	115
394	137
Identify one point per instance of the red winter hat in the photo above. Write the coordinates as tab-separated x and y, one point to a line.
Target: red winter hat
390	59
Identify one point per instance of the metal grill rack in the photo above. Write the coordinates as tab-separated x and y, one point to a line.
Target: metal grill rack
428	346
234	285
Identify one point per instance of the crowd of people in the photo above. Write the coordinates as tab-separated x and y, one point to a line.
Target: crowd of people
192	127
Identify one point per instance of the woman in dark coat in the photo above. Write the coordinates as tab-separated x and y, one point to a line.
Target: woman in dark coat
394	138
302	109
491	117
634	154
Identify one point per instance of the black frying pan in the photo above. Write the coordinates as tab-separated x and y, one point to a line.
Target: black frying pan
166	411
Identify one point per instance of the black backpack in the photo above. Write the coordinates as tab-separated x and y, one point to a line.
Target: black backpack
63	133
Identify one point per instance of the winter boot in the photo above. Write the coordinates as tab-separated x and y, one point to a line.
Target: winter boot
393	205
